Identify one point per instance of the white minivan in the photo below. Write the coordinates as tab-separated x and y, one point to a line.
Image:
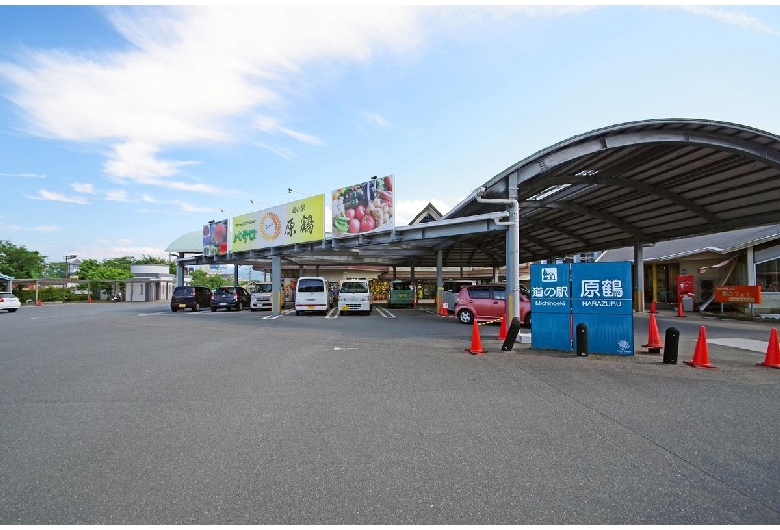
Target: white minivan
311	294
355	296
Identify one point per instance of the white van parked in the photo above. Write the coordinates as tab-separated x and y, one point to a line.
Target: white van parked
311	294
261	296
355	296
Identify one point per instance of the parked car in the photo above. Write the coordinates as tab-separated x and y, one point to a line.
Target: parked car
451	290
312	294
355	296
190	296
401	293
229	298
9	302
261	296
488	302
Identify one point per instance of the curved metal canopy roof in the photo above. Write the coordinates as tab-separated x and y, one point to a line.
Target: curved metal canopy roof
639	182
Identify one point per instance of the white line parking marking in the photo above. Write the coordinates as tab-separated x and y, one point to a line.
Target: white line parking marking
274	317
384	312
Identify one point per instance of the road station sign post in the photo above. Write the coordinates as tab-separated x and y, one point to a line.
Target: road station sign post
597	295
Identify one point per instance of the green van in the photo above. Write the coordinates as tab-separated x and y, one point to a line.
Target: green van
401	294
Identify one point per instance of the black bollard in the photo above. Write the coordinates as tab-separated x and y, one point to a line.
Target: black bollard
671	342
511	335
582	340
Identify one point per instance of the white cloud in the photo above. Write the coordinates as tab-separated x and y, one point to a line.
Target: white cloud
733	18
278	151
200	75
45	195
192	74
115	195
23	175
191	208
108	250
83	188
41	228
375	119
139	161
269	125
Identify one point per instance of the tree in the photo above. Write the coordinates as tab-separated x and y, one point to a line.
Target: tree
102	274
123	263
18	262
212	281
54	270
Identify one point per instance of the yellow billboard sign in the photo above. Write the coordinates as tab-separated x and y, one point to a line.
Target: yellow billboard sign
299	221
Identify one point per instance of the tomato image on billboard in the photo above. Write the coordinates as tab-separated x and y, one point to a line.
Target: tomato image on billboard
215	238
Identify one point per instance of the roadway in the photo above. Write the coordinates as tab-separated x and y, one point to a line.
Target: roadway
130	414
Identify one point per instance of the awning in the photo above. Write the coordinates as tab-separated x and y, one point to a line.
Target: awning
767	254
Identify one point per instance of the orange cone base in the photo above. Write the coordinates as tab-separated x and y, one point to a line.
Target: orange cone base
696	365
474	352
768	365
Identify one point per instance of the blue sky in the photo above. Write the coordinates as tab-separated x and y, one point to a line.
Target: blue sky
122	129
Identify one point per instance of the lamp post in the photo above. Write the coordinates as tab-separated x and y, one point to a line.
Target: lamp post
67	274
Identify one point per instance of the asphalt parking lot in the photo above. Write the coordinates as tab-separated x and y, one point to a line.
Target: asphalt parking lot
130	414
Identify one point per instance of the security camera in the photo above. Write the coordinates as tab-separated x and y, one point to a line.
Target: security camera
481	191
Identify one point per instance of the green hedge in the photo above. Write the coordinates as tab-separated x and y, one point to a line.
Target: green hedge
51	294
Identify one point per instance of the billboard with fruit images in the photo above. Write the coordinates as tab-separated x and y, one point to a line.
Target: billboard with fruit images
215	238
365	207
299	221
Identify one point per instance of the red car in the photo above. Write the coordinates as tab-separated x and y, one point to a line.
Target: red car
488	302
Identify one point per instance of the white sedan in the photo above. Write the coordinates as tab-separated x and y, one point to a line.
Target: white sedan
10	302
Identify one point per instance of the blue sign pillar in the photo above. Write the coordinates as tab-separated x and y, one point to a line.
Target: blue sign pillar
551	306
601	299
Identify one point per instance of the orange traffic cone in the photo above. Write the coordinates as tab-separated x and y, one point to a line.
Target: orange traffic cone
680	312
443	310
654	343
701	358
652	307
772	352
502	331
476	342
90	300
39	302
